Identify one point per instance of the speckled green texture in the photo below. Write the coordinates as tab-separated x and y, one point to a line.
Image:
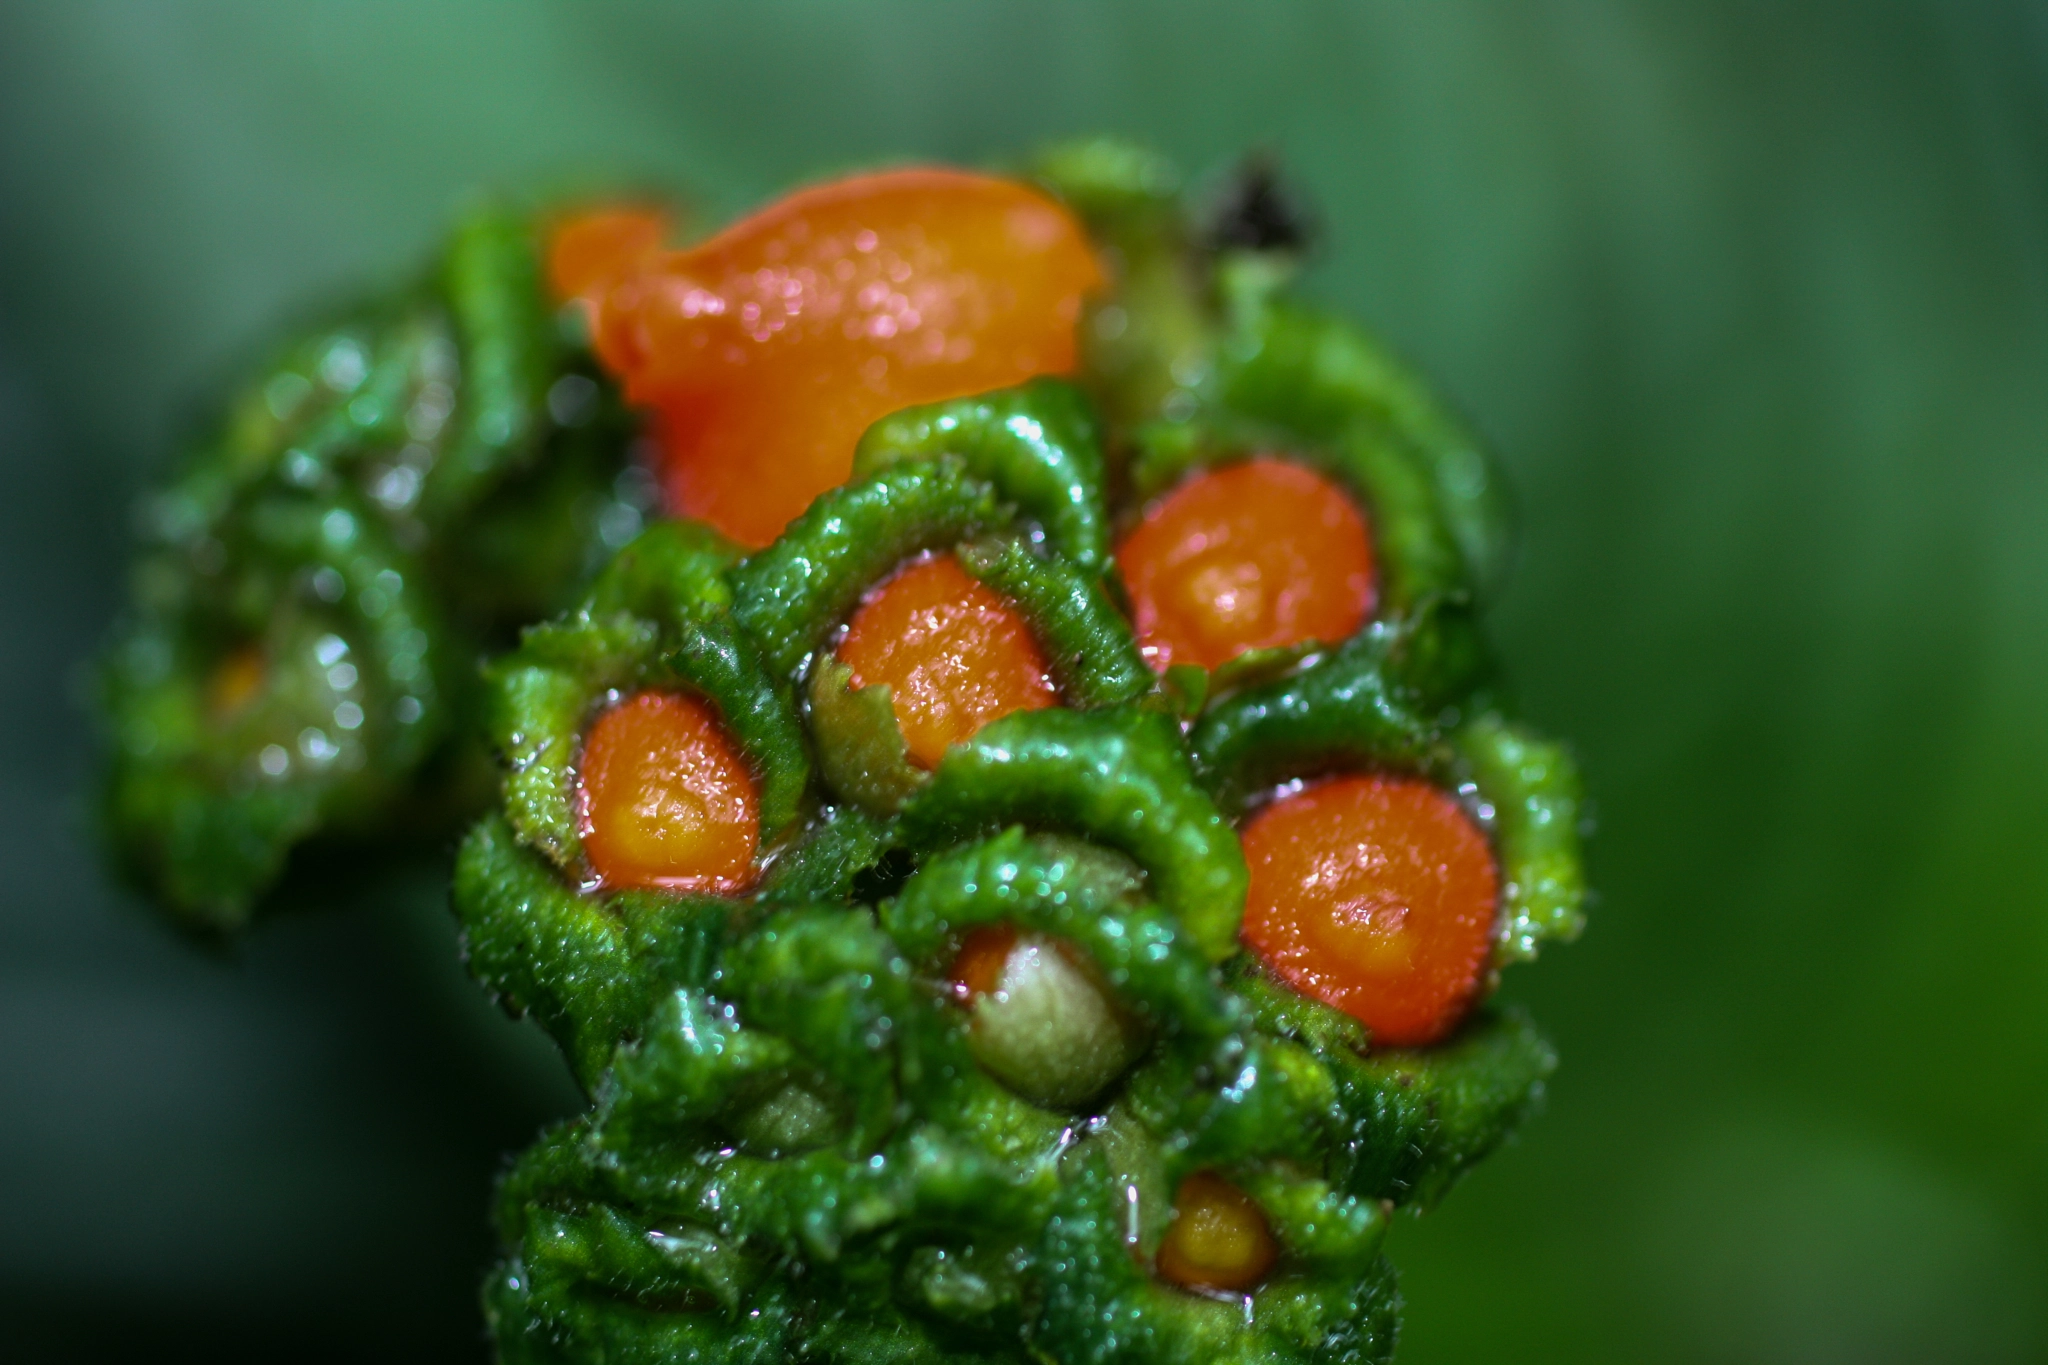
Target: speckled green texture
392	493
793	1152
804	1142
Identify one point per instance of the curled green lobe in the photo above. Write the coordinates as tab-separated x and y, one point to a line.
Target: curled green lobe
1117	777
1088	645
1083	894
1149	342
861	752
352	493
792	594
1037	444
1317	375
491	281
1532	786
207	793
1333	1301
1345	711
589	969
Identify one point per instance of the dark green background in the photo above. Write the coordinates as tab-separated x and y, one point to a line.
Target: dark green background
1753	299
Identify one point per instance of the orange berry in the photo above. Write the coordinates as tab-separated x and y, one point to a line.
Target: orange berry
1376	895
1219	1238
952	653
665	798
591	252
768	349
1256	555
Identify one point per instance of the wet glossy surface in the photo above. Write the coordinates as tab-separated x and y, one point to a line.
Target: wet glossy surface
1258	555
665	799
767	350
1376	895
953	655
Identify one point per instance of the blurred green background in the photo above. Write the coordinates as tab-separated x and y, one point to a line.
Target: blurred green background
1753	298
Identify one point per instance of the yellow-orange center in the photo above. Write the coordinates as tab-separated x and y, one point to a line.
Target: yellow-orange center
1219	1238
1256	555
665	798
1376	895
952	653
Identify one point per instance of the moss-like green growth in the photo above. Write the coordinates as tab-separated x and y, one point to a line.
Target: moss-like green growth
389	496
805	1140
808	1142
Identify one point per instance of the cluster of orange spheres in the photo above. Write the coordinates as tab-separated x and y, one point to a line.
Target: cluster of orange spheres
764	352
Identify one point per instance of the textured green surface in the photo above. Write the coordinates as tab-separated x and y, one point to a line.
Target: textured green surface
335	542
801	1143
1749	298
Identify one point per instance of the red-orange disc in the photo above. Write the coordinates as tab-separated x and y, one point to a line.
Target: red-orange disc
953	654
1376	895
1256	555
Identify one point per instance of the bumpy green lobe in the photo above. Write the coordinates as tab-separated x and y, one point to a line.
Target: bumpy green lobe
588	969
1533	787
796	591
1148	343
1073	890
1344	711
861	752
1088	645
1115	776
1318	375
1037	443
502	322
800	1146
318	578
1101	1307
209	792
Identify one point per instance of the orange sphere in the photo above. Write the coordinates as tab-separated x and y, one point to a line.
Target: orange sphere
1376	895
665	799
1255	555
953	654
1218	1239
767	350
